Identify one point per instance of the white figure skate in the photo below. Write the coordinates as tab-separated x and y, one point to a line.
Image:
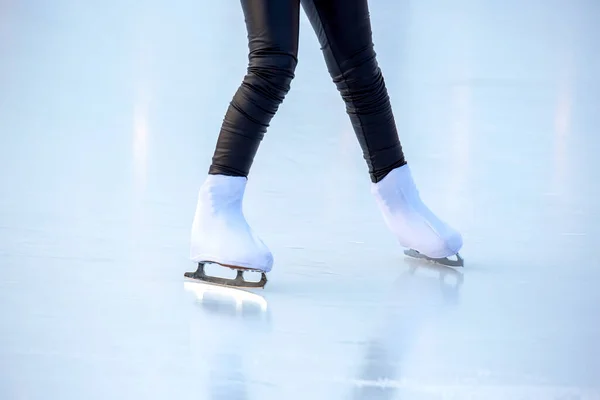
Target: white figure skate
221	235
414	225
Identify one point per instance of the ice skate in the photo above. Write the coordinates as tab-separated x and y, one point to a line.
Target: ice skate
221	235
414	225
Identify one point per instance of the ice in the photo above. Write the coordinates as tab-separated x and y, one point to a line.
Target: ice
109	112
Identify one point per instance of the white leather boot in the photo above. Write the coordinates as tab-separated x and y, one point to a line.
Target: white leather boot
220	233
414	225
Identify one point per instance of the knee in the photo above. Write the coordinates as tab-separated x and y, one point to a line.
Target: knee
361	71
360	81
272	71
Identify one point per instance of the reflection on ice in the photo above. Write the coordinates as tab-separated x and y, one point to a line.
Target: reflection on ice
232	319
420	294
238	296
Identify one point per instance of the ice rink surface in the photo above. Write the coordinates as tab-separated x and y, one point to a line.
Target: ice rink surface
109	112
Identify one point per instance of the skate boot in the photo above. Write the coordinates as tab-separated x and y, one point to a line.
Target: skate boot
221	235
413	224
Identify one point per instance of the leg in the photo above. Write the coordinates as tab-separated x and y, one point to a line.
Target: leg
344	31
220	233
272	27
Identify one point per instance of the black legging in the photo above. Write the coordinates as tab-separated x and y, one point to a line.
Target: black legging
344	31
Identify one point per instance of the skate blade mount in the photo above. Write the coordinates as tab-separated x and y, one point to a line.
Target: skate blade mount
459	262
237	282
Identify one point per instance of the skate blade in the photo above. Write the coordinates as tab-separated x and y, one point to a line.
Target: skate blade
459	262
237	282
